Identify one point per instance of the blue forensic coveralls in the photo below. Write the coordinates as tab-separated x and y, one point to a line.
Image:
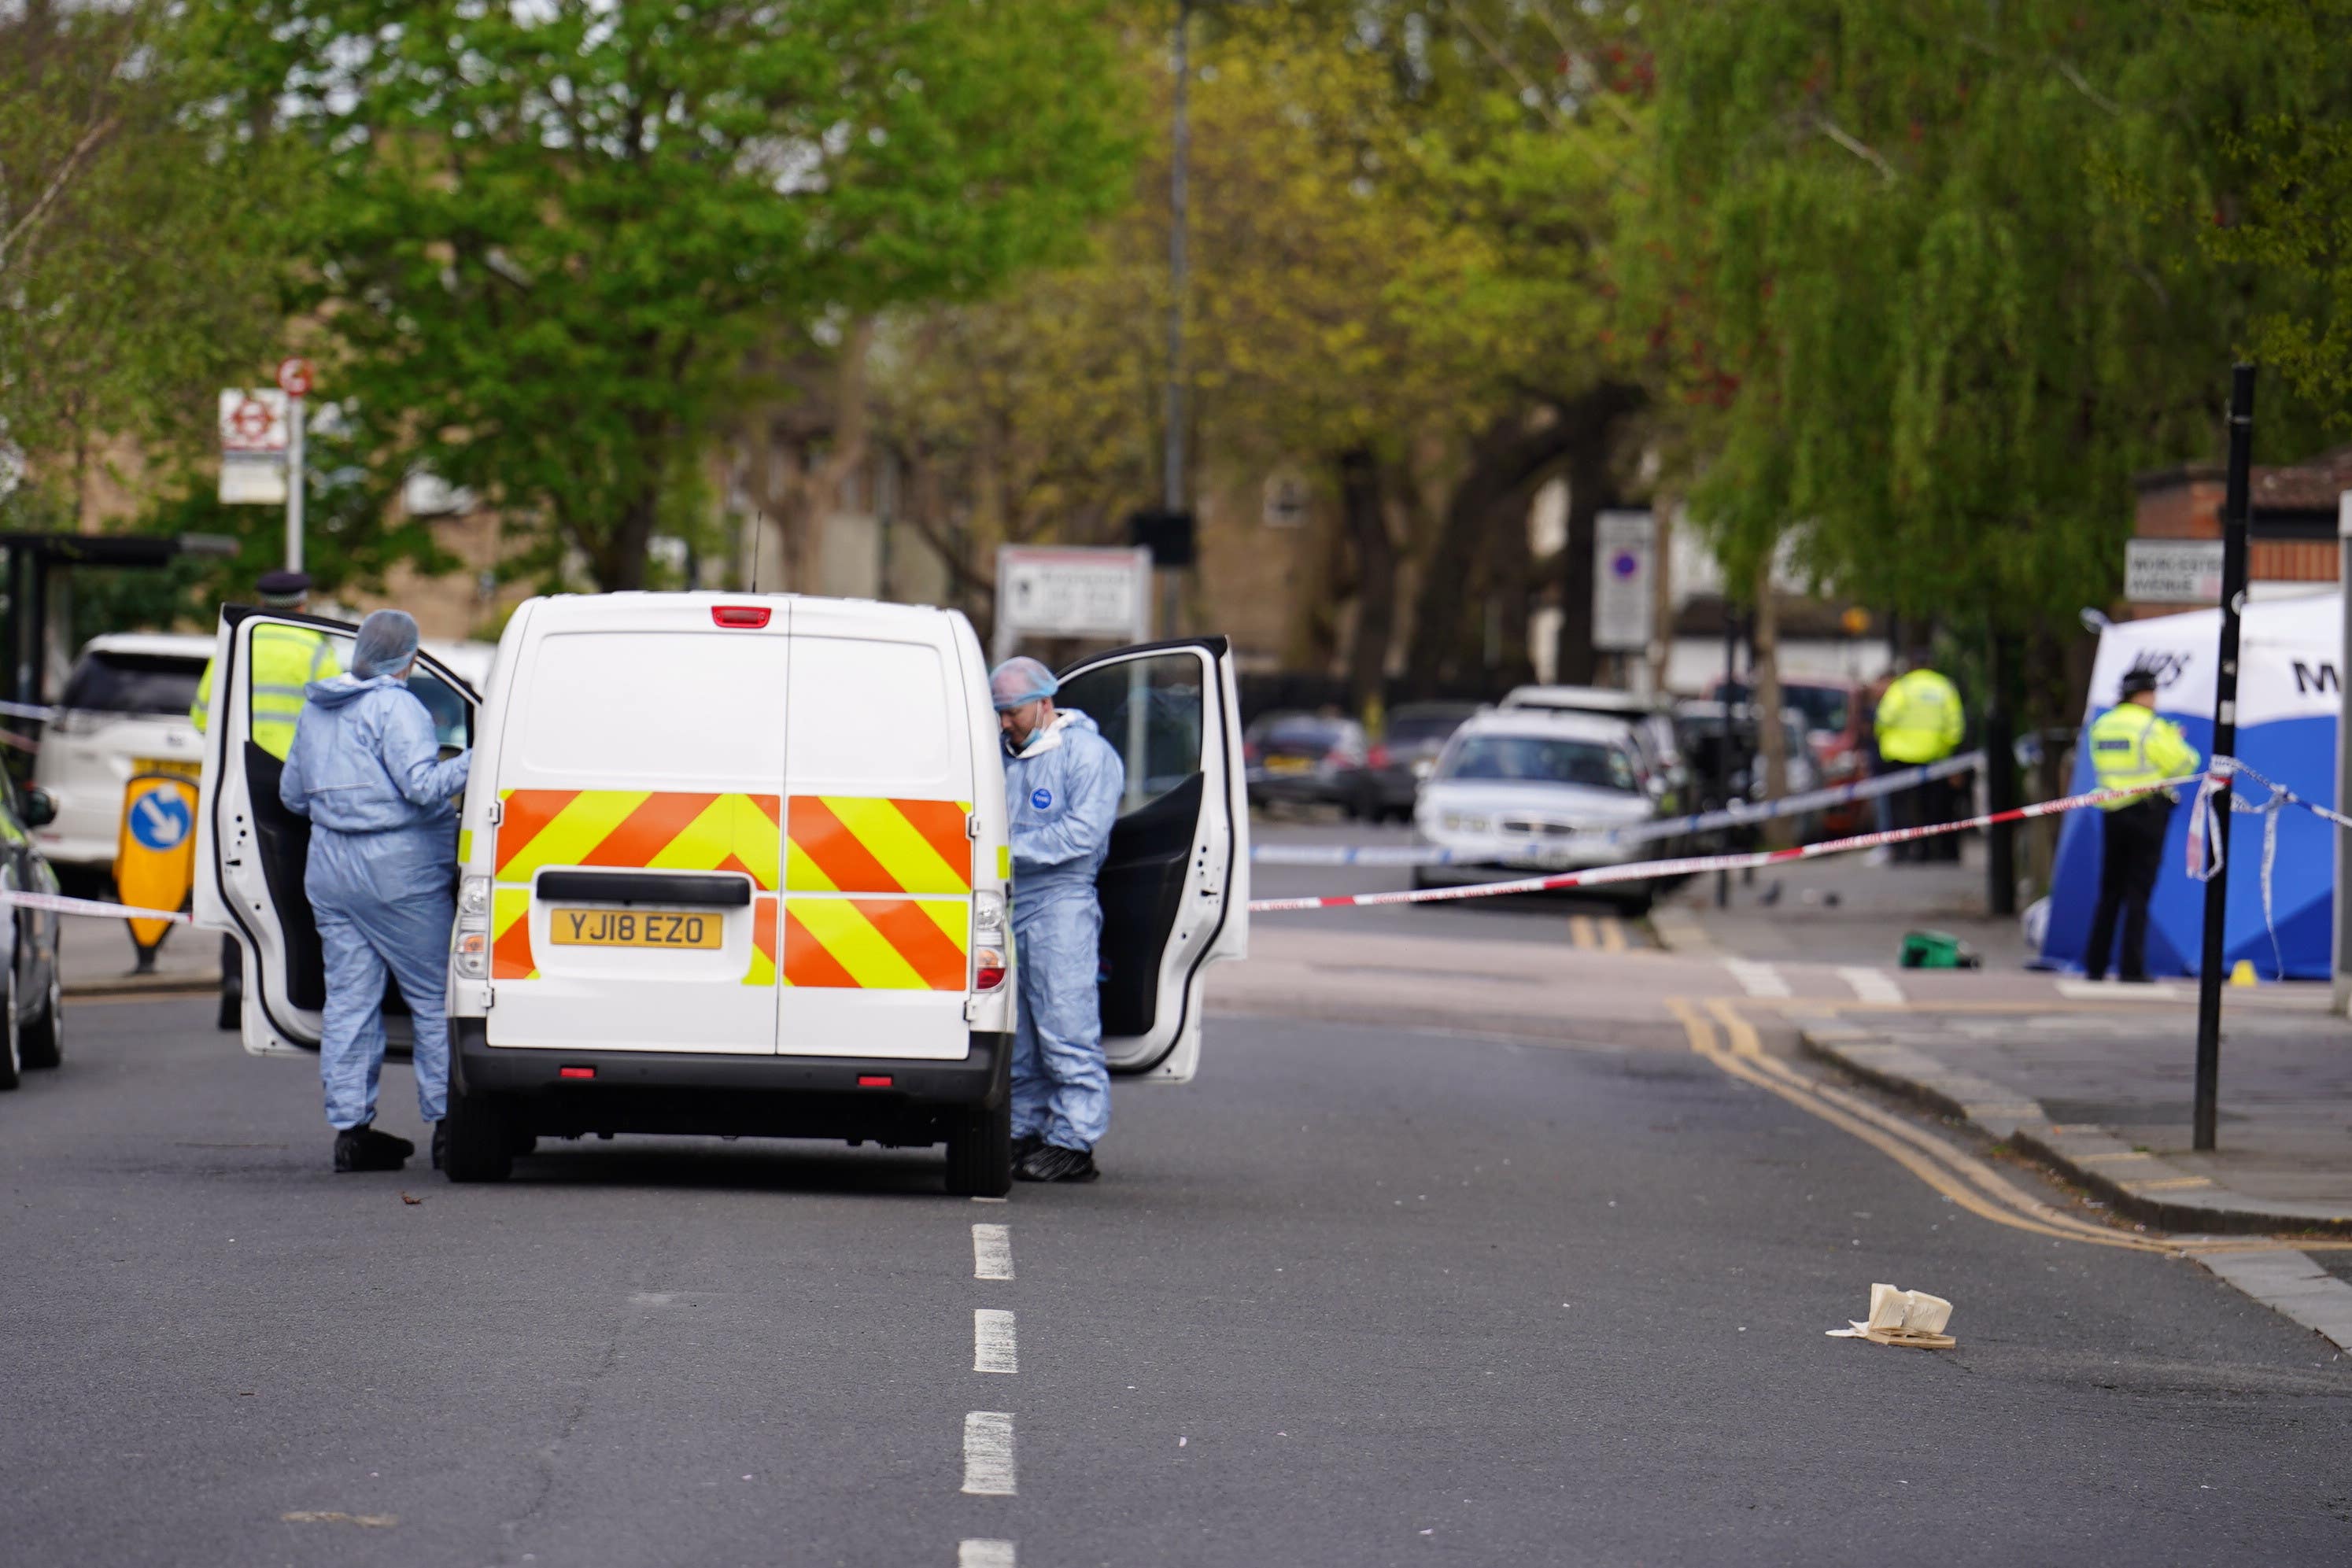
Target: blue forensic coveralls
1062	792
365	771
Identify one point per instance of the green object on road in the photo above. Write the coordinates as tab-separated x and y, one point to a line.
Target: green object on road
1937	950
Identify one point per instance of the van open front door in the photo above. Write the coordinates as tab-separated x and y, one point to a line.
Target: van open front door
1175	887
251	852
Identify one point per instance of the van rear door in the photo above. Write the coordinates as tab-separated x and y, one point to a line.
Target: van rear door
880	834
1175	885
251	852
637	851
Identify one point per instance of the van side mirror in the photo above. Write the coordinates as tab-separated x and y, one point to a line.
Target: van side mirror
40	809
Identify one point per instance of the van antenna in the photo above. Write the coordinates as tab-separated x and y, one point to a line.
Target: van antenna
759	531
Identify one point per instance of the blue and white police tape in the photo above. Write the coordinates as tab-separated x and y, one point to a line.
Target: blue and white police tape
1645	871
58	903
27	710
1733	815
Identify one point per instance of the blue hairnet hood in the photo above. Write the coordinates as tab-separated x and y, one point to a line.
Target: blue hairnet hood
387	641
1018	681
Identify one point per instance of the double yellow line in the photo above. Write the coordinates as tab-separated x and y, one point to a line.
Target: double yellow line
1606	934
1724	1038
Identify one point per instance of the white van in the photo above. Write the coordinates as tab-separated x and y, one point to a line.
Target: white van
737	864
124	712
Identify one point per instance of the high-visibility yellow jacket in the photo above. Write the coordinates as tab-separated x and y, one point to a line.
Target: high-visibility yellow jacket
1919	718
2131	746
284	660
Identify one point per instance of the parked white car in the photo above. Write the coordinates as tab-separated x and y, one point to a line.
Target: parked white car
124	712
1521	791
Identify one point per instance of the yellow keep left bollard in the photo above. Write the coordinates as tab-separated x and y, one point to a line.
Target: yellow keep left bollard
155	855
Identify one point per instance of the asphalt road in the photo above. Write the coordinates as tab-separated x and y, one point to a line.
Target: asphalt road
1358	1296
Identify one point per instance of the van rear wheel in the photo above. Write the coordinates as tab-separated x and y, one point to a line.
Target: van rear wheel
479	1138
980	1151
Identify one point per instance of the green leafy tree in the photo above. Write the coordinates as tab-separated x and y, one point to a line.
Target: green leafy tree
139	271
1936	332
2289	211
549	235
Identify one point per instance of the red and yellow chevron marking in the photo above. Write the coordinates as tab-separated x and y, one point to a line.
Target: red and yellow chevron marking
510	956
762	971
640	829
878	944
856	843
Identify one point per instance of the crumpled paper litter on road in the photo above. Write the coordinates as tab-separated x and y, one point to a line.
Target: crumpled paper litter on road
1903	1317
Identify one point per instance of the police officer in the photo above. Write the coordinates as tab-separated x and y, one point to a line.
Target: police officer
2130	748
1920	720
286	659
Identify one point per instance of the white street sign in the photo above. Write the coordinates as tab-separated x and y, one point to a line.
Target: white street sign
1072	592
2172	571
1625	564
253	421
1287	501
252	479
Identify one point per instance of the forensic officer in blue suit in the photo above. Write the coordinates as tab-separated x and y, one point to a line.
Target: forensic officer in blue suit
366	770
1063	783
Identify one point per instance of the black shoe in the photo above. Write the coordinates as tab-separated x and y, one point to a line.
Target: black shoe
1054	1163
1024	1145
365	1149
440	1142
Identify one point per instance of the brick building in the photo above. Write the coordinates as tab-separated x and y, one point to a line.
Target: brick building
2292	546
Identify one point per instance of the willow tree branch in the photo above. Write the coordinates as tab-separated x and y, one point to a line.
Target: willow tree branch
24	227
1862	149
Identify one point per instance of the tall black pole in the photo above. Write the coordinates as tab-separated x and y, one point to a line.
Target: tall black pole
2235	508
2000	781
1723	752
1180	157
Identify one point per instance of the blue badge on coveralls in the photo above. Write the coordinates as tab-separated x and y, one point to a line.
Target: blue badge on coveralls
1041	798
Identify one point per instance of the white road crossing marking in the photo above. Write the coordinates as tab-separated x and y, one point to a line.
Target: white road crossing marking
988	1453
991	1253
984	1555
1872	985
2115	991
1758	980
993	1347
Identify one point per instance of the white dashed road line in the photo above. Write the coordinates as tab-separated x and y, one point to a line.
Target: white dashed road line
988	1453
991	1253
984	1555
993	1347
1758	980
1872	985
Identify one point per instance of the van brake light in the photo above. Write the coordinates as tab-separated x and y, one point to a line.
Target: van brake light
752	616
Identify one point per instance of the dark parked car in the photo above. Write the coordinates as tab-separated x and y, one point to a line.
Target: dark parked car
1406	754
1307	759
32	1010
1700	723
1838	730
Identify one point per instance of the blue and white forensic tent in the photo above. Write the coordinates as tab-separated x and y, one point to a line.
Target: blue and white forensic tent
2289	693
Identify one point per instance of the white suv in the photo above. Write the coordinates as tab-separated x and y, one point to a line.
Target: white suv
124	712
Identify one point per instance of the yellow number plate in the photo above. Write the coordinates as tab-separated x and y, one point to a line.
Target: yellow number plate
172	765
1289	764
634	929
